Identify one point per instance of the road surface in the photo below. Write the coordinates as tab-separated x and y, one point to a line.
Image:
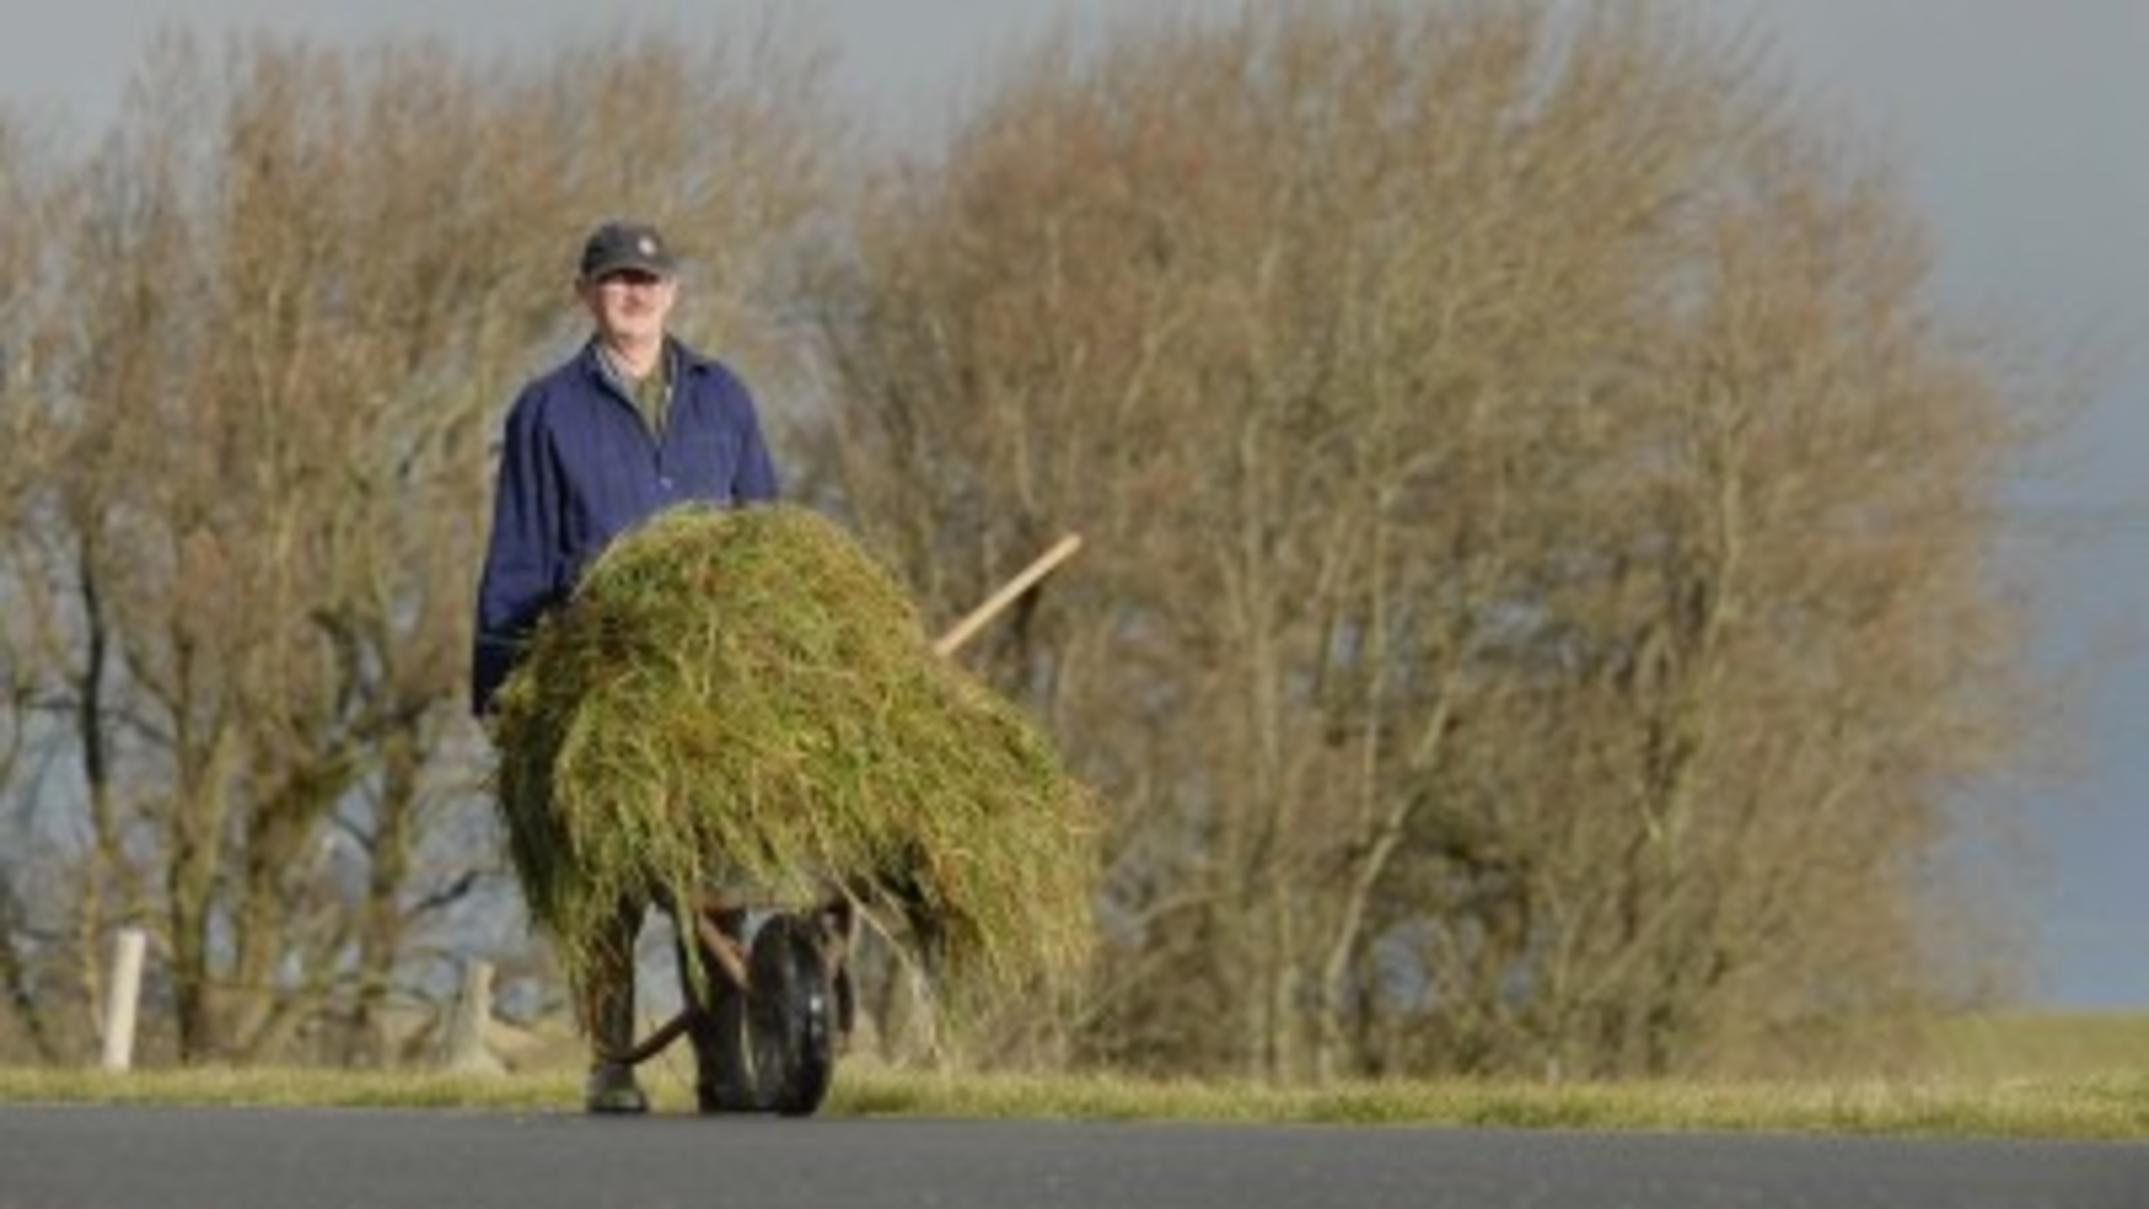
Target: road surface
207	1158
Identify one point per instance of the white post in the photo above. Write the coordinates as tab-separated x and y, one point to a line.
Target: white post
120	1002
464	1048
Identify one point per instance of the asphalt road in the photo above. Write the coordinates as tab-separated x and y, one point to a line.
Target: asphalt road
63	1157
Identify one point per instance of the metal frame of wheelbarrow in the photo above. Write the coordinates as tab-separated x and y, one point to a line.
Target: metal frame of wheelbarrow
793	976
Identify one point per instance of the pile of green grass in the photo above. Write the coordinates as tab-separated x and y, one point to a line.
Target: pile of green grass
747	695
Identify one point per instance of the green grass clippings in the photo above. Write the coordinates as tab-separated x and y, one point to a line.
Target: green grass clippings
748	692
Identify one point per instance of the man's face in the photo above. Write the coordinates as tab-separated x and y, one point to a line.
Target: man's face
630	306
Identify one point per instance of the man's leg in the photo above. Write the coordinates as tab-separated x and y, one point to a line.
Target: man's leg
609	1013
718	1030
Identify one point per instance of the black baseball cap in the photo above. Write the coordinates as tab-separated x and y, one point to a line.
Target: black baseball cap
622	246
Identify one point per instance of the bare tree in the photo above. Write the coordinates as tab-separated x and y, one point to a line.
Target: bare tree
25	201
1537	606
305	283
1516	450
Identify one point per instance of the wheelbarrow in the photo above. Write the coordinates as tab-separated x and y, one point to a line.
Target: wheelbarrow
793	970
792	973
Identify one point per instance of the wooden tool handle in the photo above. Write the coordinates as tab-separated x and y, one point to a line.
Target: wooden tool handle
999	600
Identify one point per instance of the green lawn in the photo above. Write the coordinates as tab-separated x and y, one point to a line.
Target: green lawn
2104	1107
2041	1045
2001	1075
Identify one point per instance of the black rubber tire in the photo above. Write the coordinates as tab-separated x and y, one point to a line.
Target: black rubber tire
789	1017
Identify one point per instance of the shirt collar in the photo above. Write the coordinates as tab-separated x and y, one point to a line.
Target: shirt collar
668	364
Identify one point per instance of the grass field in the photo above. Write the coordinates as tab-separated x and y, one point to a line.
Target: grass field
2045	1075
2041	1045
2106	1107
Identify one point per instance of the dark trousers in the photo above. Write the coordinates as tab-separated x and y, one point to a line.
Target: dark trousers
717	1030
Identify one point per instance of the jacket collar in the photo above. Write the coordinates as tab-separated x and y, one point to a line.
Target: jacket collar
684	360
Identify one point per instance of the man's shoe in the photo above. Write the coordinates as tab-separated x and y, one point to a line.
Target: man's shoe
611	1089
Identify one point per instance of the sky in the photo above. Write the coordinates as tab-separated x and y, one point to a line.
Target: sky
2021	130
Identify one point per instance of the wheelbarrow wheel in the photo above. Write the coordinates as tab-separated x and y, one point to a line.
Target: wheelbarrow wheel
789	1017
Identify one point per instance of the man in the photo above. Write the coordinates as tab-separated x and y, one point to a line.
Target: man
632	424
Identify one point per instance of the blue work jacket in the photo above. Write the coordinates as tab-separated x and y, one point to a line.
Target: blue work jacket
579	466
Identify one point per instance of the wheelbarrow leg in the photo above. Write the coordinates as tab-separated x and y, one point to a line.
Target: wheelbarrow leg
718	1029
